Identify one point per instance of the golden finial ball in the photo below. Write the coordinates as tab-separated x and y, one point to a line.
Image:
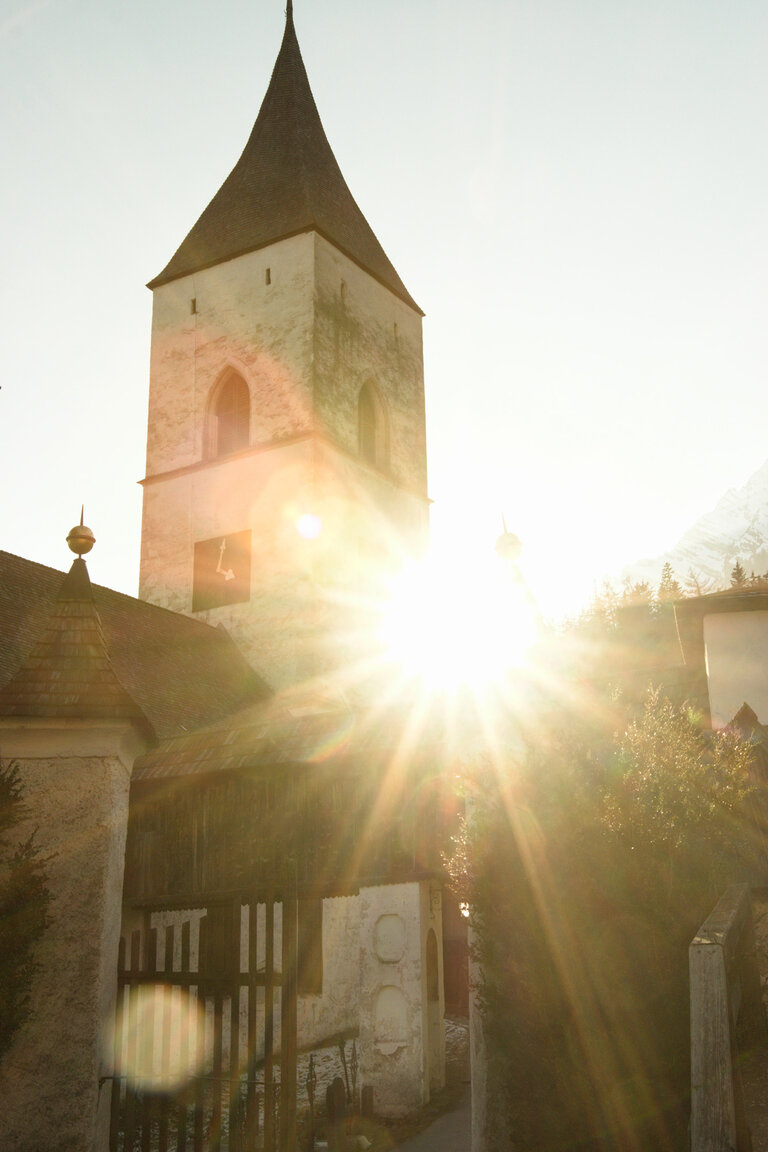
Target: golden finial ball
81	539
508	547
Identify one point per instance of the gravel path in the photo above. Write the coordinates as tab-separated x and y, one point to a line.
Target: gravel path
451	1133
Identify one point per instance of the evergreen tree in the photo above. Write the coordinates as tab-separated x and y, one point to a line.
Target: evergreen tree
669	586
24	902
638	593
601	612
739	577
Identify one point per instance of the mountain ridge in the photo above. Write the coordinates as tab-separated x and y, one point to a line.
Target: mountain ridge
735	529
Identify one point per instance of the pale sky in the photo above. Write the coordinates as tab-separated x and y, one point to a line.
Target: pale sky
574	192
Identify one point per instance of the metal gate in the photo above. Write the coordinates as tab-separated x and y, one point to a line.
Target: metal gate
205	1040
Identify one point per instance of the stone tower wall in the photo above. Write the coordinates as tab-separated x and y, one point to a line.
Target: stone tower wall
306	329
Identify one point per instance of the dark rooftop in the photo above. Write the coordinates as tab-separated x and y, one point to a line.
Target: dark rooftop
300	729
68	672
286	182
180	672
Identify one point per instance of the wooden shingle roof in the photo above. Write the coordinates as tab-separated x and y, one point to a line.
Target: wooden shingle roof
68	673
287	181
180	673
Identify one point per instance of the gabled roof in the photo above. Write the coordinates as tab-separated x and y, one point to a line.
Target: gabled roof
68	672
287	181
180	672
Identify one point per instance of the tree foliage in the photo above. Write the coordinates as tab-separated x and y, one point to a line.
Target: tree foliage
639	592
698	585
593	854
24	900
669	586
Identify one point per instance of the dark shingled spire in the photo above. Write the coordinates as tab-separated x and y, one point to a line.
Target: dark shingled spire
68	673
287	181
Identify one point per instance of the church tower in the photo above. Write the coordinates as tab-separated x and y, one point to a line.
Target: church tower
286	457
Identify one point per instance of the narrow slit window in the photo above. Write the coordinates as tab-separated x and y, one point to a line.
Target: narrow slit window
366	425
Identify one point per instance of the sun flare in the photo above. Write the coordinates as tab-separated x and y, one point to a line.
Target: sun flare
455	620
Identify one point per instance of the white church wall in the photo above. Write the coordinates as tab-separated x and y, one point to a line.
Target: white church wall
263	330
736	646
296	344
336	1009
265	492
50	1094
392	1038
365	334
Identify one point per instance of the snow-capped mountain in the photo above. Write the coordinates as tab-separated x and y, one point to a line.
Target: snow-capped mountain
735	529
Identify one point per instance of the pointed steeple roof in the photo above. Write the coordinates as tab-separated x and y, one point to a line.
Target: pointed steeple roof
68	673
287	181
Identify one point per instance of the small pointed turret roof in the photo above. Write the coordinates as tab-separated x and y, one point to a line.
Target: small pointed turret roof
68	673
287	181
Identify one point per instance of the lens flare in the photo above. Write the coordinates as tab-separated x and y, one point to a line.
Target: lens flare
333	739
458	621
309	526
158	1037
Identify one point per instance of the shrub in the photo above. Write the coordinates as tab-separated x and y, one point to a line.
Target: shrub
590	861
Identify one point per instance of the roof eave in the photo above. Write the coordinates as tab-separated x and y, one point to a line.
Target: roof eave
162	278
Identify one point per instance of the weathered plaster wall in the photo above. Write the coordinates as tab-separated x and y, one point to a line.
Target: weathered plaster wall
305	344
262	330
265	492
365	334
336	1010
736	645
392	1038
49	1080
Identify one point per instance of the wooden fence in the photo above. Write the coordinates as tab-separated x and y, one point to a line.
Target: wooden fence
197	1066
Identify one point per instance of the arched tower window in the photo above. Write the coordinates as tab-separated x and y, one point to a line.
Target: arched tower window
230	416
371	428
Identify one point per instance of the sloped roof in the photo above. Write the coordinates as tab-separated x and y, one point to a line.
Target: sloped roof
272	735
286	181
68	671
180	672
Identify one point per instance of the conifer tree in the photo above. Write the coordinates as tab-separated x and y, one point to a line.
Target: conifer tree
638	593
669	586
739	578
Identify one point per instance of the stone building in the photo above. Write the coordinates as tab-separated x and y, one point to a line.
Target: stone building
217	750
286	458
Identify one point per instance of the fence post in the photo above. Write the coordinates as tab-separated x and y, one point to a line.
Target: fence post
723	975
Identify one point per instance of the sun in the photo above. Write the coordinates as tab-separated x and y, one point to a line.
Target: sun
458	619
